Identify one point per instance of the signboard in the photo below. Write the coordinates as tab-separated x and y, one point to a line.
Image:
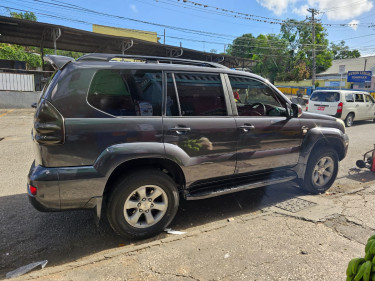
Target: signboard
334	84
359	76
342	69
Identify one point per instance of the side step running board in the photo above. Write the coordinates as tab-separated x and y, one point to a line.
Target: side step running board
221	190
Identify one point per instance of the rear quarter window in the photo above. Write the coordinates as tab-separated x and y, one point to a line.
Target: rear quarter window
127	92
325	96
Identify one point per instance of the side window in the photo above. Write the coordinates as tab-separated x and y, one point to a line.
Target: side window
349	97
359	98
254	98
197	95
369	99
127	92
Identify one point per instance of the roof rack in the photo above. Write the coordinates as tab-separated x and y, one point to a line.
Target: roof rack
149	59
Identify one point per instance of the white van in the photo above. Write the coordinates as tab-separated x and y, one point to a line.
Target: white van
344	104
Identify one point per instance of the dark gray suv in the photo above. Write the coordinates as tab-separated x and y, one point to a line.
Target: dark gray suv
128	137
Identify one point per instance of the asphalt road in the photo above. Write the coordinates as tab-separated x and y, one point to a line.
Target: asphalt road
29	236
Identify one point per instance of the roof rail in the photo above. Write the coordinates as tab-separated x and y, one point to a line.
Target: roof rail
108	57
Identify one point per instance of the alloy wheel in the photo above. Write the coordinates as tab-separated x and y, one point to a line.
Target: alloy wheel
146	206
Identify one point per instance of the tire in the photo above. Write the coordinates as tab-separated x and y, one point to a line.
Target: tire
318	180
349	120
132	211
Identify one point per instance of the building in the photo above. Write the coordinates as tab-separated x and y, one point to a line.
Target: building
337	75
125	32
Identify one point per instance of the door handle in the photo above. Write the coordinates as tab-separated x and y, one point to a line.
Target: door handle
180	130
245	128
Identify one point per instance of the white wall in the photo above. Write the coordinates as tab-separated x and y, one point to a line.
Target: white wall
16	82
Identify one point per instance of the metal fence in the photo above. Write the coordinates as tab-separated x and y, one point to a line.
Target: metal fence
23	80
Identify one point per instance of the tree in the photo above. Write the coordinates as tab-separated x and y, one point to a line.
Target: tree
270	52
299	36
341	51
272	57
16	52
288	55
24	16
243	47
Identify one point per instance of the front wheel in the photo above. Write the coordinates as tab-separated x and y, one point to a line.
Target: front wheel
321	170
142	204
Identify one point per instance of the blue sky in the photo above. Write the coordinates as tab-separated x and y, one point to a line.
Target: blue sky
215	27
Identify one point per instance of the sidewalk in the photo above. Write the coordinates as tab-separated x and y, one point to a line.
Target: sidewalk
311	241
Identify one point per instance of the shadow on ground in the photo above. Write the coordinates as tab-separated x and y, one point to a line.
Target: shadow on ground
360	175
28	236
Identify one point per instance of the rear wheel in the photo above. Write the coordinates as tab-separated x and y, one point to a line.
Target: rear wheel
321	170
349	120
142	204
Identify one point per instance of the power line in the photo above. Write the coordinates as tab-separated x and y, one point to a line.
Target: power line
256	17
200	33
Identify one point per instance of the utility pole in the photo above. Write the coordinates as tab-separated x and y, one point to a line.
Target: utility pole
313	22
164	37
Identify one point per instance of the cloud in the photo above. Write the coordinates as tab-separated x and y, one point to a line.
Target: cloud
354	24
301	11
277	6
343	10
334	10
134	8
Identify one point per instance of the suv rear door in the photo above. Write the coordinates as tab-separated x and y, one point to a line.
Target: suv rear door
324	102
266	137
198	127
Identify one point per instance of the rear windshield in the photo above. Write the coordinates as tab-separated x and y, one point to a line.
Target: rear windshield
325	96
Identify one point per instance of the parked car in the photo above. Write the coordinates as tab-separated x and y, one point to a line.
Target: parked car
128	139
344	104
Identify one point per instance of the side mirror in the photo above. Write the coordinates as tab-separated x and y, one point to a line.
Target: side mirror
296	110
34	105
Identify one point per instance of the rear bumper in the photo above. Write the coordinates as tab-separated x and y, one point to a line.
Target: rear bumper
65	188
39	205
46	181
337	115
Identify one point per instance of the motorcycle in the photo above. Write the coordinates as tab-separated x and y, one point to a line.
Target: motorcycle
368	160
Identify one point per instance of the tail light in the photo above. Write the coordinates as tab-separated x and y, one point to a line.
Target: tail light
307	105
33	190
339	108
48	125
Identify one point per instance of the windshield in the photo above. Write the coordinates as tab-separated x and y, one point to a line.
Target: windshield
325	96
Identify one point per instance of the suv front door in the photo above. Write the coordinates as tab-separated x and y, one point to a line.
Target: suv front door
370	106
267	138
360	106
198	126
